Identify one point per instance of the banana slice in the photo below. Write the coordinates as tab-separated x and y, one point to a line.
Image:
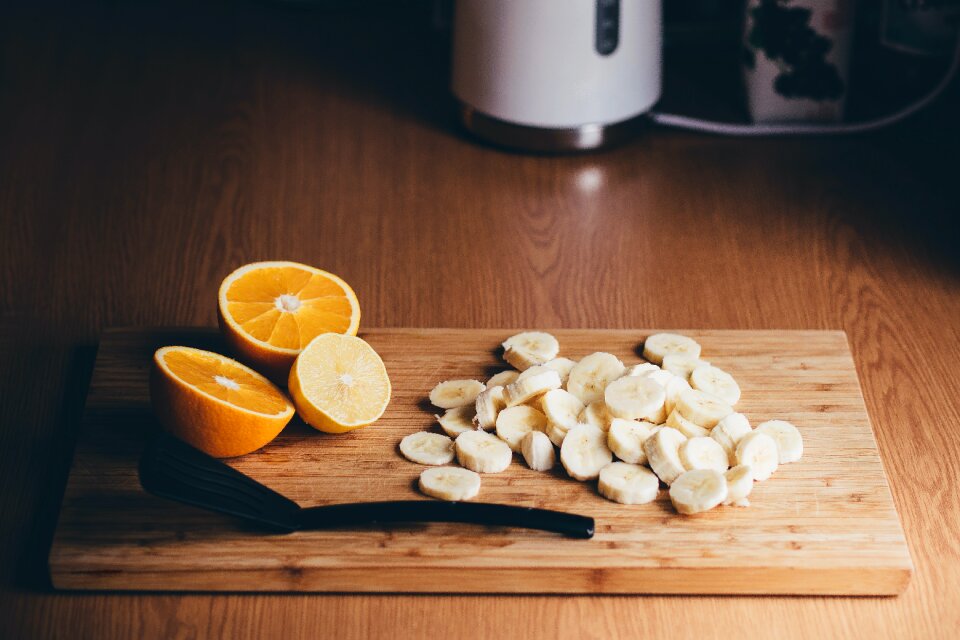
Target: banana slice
592	374
640	369
584	452
488	406
556	433
456	393
663	453
729	432
562	408
760	452
538	452
788	439
632	397
716	382
503	378
703	453
449	483
660	376
514	423
702	408
530	348
532	371
482	452
682	365
563	366
739	485
626	437
674	387
698	490
596	414
657	417
662	344
529	388
628	483
425	447
457	420
686	427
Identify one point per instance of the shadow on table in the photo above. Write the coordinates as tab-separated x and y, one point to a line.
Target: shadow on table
32	571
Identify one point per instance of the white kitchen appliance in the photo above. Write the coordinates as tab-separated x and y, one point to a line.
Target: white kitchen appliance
567	75
554	75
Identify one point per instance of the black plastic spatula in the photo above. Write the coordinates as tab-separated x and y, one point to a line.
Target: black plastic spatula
170	468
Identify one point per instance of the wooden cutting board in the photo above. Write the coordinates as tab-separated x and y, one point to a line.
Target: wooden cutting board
824	525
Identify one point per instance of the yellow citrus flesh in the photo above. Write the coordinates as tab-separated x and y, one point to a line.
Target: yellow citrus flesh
339	383
269	311
214	403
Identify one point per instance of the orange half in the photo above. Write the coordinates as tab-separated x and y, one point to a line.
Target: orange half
214	403
270	311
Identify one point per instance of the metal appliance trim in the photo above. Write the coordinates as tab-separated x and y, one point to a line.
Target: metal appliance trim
549	140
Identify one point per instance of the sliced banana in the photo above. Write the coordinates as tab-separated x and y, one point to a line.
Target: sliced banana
674	387
503	378
597	414
563	366
662	344
514	423
698	490
716	382
482	452
682	365
739	484
702	408
729	432
628	483
584	452
425	447
527	389
660	376
686	427
537	451
562	408
592	374
532	371
556	433
703	453
626	437
530	348
488	406
449	483
456	393
640	369
633	397
788	439
760	452
457	420
656	417
663	453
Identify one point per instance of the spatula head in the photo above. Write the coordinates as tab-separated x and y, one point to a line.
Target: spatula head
172	469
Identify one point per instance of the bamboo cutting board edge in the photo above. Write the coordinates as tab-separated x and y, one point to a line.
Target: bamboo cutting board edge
81	563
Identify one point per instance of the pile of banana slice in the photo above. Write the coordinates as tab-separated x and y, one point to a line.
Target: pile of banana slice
669	420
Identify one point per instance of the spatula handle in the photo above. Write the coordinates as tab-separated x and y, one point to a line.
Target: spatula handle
364	513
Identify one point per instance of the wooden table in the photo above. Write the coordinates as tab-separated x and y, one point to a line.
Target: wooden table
147	151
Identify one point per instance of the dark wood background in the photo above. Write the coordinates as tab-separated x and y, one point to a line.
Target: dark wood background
147	150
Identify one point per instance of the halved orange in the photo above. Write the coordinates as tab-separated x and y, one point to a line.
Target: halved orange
269	311
214	403
339	383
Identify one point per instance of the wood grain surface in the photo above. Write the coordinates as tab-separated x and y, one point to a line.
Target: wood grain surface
149	148
796	538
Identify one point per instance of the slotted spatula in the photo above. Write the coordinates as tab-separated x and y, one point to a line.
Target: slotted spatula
172	469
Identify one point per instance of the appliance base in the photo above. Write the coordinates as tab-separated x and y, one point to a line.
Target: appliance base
548	140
